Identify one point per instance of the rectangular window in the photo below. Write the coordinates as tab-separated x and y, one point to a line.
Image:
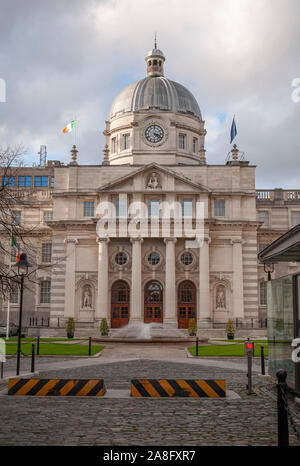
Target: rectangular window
52	182
9	181
181	141
295	218
14	295
264	217
47	216
187	208
25	181
45	292
219	208
114	145
88	209
16	218
46	252
153	208
121	208
126	141
263	293
41	181
195	145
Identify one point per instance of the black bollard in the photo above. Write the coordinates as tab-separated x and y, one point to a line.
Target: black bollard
2	365
38	346
197	341
32	357
262	356
282	415
90	346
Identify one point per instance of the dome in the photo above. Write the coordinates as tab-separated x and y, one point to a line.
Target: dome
155	53
155	92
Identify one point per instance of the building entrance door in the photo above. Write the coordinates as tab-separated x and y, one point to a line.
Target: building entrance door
153	302
119	304
186	303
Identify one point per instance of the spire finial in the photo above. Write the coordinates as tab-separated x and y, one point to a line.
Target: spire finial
155	43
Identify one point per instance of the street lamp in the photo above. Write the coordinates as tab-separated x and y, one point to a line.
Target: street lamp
22	265
269	268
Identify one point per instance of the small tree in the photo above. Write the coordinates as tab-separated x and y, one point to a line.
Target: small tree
70	327
104	329
192	329
230	328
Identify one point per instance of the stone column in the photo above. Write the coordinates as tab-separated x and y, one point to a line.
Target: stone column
238	291
102	309
170	292
70	278
136	306
203	304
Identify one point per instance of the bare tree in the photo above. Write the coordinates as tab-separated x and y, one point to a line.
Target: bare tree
11	197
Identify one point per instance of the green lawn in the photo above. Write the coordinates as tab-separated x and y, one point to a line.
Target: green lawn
54	349
34	339
225	350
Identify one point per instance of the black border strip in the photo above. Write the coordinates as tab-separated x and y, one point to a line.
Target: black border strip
140	388
214	386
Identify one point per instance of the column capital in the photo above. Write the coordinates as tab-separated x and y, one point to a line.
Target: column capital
71	240
106	239
237	241
136	239
171	240
207	239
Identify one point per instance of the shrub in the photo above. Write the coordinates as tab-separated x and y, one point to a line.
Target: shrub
70	325
104	326
230	328
192	326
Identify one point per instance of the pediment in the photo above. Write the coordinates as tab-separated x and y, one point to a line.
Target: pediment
153	178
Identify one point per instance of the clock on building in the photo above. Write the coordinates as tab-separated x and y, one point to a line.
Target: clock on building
154	133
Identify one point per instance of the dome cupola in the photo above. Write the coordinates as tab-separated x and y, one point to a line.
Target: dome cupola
155	61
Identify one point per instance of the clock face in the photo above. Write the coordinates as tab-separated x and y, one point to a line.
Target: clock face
154	133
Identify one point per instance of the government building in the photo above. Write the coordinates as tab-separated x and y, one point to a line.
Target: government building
155	175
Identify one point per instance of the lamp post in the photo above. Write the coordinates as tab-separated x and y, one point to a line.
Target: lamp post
22	265
269	268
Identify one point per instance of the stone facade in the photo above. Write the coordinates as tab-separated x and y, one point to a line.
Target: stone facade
154	155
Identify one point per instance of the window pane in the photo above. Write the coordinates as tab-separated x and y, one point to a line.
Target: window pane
153	208
48	217
46	252
45	289
126	139
262	293
219	208
9	181
41	181
187	208
14	295
181	141
25	181
264	217
195	144
295	218
88	210
52	182
16	218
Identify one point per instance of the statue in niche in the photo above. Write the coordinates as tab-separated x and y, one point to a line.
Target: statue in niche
153	182
220	297
87	297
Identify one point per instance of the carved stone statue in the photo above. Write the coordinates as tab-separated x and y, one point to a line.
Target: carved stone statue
87	297
220	297
153	182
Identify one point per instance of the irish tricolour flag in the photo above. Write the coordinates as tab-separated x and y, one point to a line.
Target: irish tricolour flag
69	127
15	248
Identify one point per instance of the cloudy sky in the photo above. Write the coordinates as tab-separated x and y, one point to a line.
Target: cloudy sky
72	57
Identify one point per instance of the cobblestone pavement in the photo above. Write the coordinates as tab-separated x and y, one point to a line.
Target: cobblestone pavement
250	420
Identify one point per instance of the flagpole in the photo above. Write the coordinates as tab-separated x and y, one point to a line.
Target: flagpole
8	302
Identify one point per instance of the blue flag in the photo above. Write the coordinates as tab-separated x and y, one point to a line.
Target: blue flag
233	131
